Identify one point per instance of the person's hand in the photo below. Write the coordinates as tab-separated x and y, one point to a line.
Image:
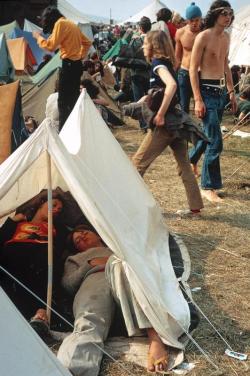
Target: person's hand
233	102
36	34
19	217
98	261
159	120
200	108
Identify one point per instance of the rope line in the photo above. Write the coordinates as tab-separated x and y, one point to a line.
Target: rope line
65	320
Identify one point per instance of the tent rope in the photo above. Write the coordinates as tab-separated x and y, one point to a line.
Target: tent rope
119	363
207	319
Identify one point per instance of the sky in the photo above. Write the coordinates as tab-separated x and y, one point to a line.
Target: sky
122	9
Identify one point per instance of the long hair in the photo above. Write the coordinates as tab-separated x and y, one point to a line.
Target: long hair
160	45
214	13
49	17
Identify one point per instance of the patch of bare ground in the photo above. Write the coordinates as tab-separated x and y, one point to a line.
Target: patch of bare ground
219	247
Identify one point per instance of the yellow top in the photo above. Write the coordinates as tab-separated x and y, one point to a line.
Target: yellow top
68	38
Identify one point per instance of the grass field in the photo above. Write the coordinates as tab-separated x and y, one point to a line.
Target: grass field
219	247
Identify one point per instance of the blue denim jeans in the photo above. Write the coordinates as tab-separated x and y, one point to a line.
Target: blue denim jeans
211	174
185	89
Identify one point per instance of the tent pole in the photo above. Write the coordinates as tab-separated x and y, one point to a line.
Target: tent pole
50	238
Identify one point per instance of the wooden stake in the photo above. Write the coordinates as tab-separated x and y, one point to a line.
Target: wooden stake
50	239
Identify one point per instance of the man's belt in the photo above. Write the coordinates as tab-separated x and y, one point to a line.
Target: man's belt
217	83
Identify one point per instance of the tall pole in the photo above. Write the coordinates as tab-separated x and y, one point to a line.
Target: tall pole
110	16
50	238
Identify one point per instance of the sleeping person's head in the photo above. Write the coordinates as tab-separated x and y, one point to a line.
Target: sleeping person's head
83	238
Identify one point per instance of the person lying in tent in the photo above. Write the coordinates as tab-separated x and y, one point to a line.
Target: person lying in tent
24	254
95	292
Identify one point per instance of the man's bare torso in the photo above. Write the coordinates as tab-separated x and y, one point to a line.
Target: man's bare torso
214	55
186	38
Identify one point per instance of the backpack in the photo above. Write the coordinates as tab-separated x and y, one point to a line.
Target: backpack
131	56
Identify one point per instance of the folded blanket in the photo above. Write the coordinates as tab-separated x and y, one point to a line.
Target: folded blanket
178	122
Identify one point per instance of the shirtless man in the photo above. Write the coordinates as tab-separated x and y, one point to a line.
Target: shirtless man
184	43
210	76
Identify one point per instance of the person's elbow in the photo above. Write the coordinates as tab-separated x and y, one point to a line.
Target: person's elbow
172	87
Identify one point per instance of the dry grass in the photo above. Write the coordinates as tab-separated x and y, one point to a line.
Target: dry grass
218	243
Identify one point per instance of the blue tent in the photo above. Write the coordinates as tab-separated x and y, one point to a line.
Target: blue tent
7	70
36	50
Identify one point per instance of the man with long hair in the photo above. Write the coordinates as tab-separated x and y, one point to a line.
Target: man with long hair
73	46
184	39
210	77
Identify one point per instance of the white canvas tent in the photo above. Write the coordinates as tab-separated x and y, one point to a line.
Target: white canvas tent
149	11
240	38
89	162
22	351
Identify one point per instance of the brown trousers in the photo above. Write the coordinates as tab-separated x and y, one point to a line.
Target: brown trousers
153	145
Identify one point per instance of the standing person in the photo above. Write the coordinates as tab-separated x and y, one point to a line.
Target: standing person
185	38
73	46
210	75
165	14
139	76
158	49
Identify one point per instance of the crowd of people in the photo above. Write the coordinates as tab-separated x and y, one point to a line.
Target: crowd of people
162	67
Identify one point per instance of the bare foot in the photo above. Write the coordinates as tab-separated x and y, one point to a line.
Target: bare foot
158	353
41	315
211	195
195	170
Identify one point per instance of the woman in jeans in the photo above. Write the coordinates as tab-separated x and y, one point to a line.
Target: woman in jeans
159	51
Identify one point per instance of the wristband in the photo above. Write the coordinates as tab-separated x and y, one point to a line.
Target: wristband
231	92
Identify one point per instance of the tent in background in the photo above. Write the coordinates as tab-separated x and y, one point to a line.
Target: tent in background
149	11
8	29
30	27
7	70
21	55
116	201
23	352
71	13
240	38
36	50
34	99
12	127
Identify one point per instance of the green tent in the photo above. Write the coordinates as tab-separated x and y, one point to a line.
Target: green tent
7	70
115	49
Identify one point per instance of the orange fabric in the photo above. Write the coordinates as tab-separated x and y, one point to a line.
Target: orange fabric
21	54
7	105
29	232
66	36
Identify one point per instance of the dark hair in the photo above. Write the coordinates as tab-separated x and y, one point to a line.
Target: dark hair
99	67
91	88
49	17
88	64
70	244
164	14
145	24
34	122
29	208
47	57
214	12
